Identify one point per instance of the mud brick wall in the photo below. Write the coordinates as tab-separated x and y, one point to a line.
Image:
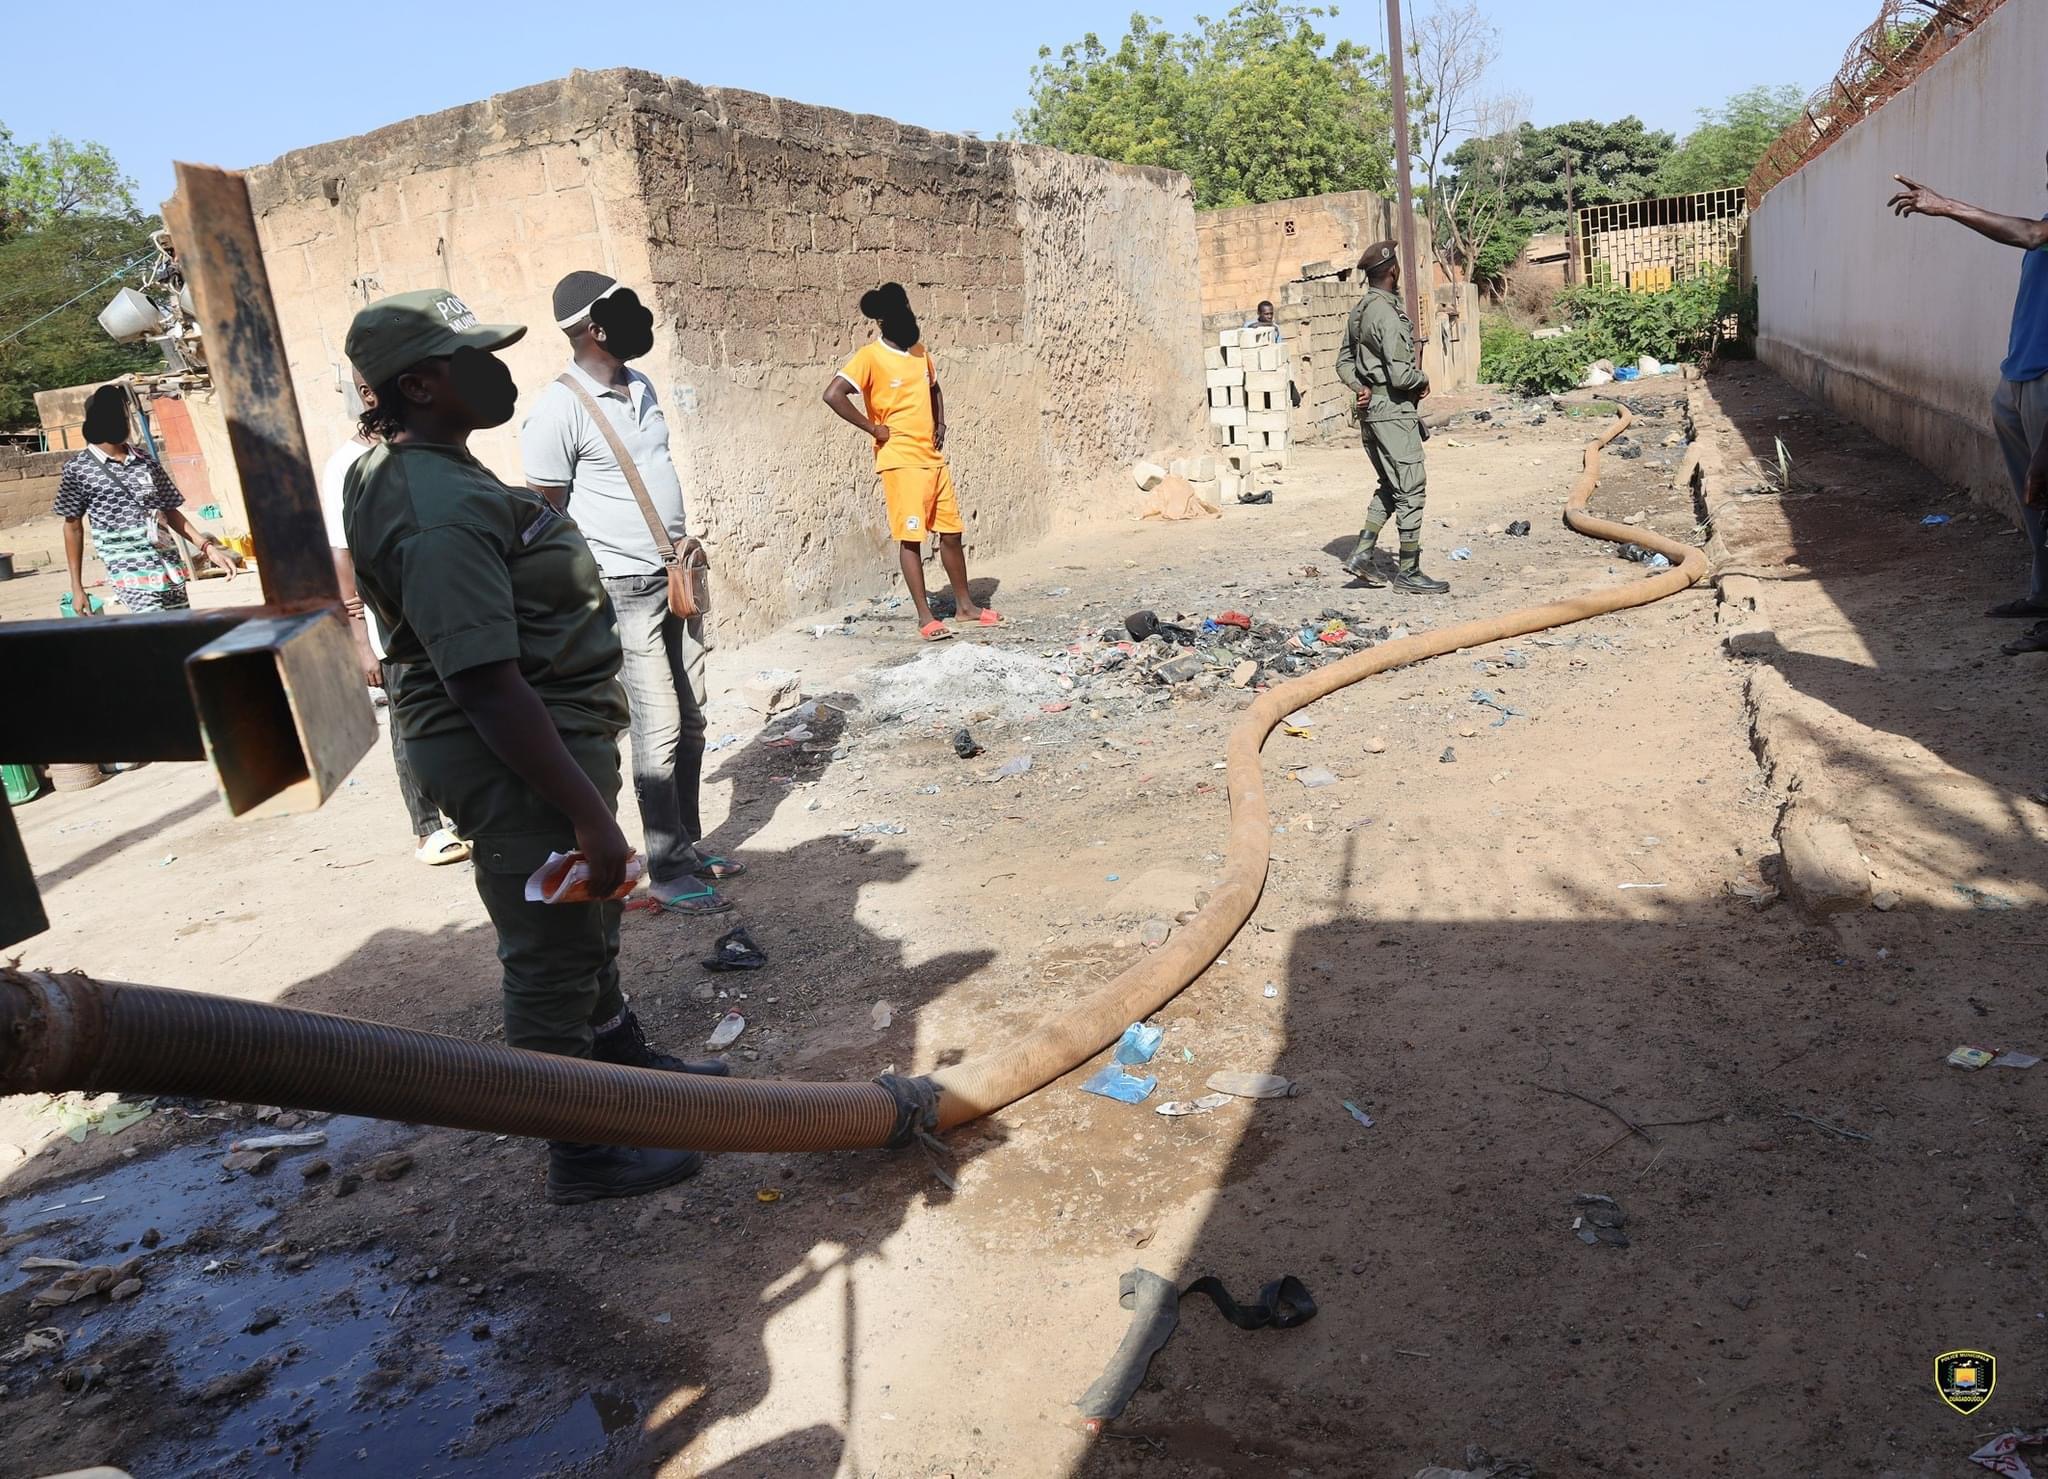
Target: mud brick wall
28	483
1059	296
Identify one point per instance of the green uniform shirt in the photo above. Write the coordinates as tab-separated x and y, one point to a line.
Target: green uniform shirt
1379	351
464	570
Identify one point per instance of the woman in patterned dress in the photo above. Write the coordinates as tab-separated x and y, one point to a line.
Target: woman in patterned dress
127	498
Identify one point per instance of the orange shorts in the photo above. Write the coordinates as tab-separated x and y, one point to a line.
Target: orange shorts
921	502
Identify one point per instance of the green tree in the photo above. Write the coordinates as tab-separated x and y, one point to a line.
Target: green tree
40	183
1722	151
1587	162
68	224
1257	106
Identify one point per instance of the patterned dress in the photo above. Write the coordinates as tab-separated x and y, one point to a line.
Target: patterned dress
122	503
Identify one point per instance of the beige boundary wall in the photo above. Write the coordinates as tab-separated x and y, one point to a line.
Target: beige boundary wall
1902	324
1059	295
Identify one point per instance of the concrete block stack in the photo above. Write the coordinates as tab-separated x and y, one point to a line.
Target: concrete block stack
1247	374
1317	308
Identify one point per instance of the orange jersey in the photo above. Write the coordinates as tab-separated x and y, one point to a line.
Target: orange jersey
896	391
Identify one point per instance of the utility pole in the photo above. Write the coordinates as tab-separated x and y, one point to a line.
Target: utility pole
1397	58
1571	225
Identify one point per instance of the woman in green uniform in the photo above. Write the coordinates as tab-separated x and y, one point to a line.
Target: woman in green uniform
507	695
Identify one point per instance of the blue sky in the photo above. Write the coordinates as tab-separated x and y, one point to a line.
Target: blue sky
258	79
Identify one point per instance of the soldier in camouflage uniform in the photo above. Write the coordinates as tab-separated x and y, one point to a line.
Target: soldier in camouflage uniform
1378	361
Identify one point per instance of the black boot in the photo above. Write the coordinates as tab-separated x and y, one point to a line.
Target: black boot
586	1173
627	1045
1360	565
1415	583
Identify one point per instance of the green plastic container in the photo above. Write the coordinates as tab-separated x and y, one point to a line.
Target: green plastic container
22	783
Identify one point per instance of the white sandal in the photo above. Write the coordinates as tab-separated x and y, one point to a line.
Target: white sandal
442	848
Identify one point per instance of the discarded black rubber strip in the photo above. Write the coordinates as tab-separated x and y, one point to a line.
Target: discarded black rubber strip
1154	1303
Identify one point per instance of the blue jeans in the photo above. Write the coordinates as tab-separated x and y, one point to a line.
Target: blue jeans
2020	412
664	677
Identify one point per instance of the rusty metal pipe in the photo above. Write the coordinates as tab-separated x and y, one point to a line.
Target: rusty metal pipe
70	1032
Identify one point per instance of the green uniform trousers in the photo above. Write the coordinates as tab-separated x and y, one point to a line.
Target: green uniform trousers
561	961
1395	446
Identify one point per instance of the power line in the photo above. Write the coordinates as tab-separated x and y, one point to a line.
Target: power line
122	270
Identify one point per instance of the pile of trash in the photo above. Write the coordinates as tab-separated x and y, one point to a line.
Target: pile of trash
1229	648
1146	660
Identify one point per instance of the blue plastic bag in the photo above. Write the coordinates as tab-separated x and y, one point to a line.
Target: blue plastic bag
1111	1082
1138	1043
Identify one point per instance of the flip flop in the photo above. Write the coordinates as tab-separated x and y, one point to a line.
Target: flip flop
705	900
2020	608
934	631
989	618
717	870
443	848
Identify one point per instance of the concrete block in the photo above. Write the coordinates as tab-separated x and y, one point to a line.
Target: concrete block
1201	469
1227	415
1233	357
1212	357
1822	868
1224	377
1266	421
1177	468
1269	357
1230	484
1273	380
1147	475
1228	338
1314	270
1257	337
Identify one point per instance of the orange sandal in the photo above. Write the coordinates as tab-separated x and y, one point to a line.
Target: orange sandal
989	618
934	631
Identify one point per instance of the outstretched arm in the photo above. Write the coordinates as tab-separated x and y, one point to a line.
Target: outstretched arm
2013	231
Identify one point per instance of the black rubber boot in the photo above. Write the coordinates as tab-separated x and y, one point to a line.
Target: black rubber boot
587	1173
1360	566
1415	583
627	1045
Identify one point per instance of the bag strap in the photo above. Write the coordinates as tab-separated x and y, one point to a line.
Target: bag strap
663	544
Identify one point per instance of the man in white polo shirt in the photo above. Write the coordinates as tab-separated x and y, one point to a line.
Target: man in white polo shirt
569	461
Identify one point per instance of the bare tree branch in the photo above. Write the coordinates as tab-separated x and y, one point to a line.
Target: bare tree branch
1454	47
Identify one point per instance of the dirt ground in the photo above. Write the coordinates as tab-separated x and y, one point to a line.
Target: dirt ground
1496	935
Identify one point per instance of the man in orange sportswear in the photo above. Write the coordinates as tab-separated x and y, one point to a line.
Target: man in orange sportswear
906	415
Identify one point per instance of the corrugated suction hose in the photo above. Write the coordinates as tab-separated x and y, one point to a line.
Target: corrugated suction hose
62	1032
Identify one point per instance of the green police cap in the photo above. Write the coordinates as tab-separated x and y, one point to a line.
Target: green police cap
395	333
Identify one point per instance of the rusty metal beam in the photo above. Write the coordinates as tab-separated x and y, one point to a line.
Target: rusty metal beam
21	907
103	689
270	694
215	233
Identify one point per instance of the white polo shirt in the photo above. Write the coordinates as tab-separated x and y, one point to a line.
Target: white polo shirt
562	447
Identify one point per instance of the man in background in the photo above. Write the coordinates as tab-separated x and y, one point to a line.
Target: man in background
1377	360
1264	320
434	841
2019	408
570	461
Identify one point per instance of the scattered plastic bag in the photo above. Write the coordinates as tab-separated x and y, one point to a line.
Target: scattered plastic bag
1138	1043
727	1032
1016	765
1461	553
565	879
1934	520
1316	777
735	951
1358	1114
1111	1082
